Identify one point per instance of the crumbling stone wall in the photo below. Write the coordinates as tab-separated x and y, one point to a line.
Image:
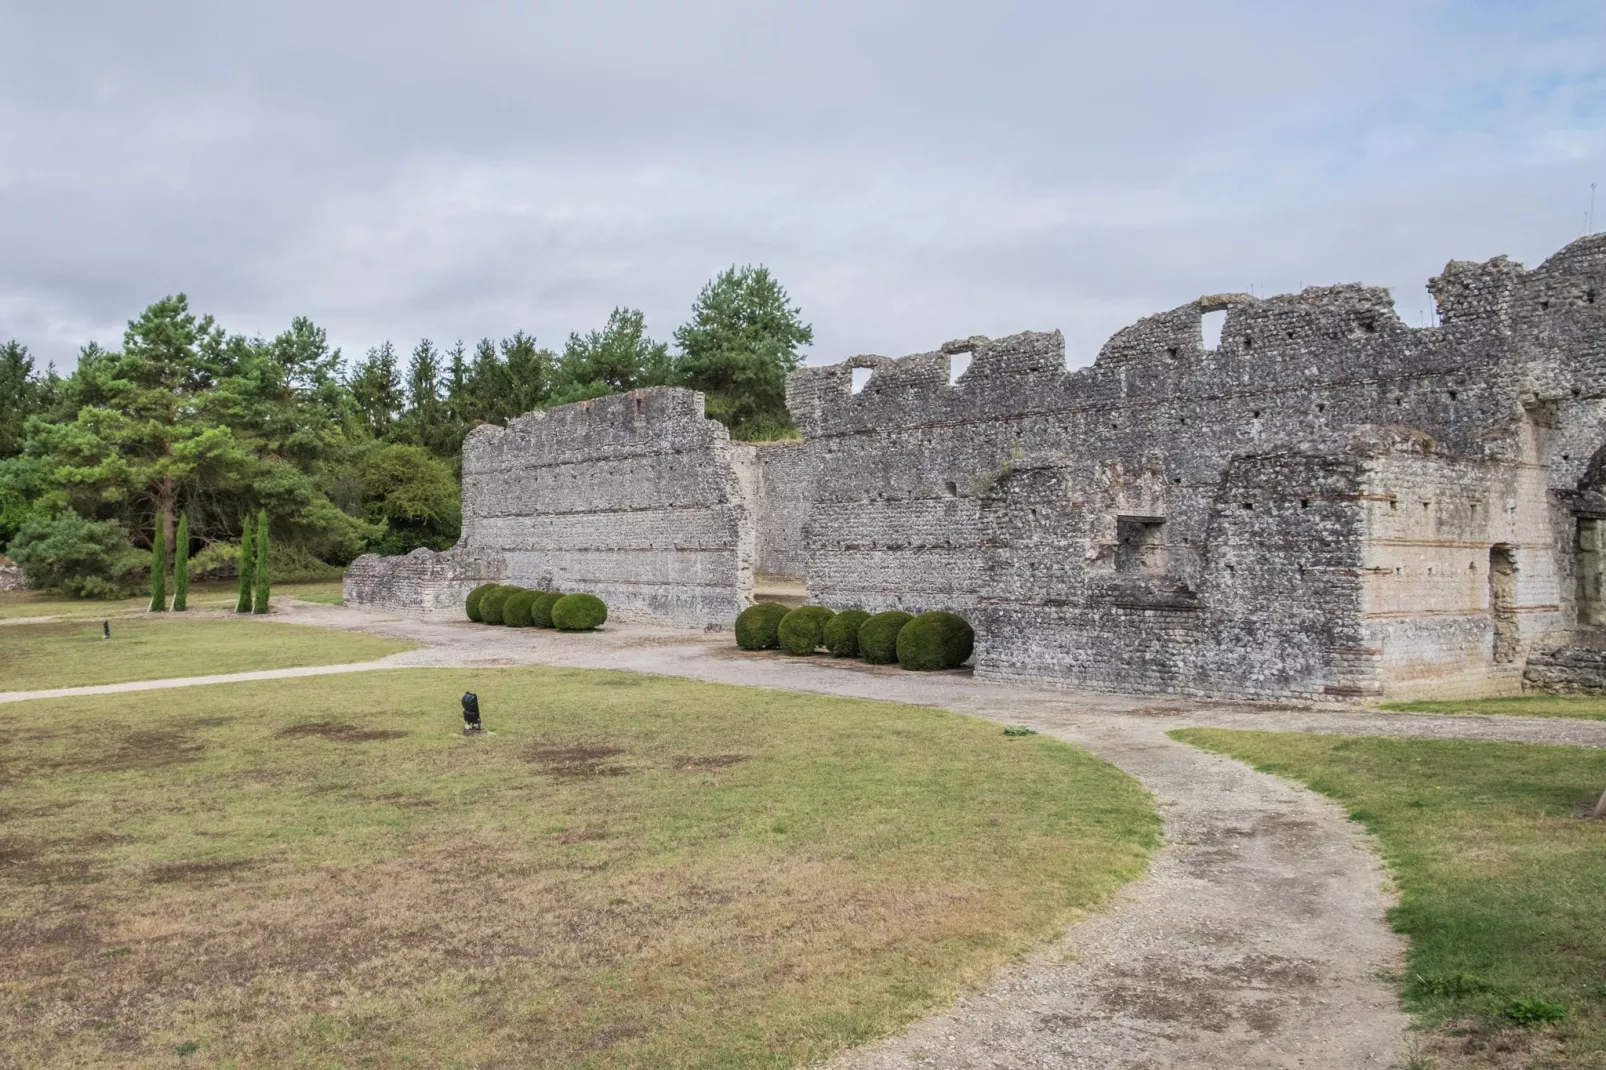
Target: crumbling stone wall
633	498
777	481
1178	518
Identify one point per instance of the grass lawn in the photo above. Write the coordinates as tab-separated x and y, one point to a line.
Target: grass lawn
73	654
1582	707
210	595
1503	885
628	872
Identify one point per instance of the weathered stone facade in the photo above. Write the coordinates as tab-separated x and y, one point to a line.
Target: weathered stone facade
633	498
1328	504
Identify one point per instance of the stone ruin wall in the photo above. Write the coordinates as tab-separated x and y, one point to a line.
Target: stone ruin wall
634	498
1207	521
1311	509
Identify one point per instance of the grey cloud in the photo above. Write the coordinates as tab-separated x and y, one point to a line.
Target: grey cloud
911	171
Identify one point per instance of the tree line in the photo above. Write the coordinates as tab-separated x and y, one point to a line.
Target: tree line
186	420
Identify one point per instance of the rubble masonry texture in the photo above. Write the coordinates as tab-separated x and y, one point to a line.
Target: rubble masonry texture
1327	505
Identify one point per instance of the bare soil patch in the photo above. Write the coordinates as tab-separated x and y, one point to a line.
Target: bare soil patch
338	732
577	761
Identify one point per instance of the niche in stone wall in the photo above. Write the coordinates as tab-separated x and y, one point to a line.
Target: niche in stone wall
1503	602
1591	578
1140	545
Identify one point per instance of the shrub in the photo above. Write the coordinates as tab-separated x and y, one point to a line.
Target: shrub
541	609
842	633
758	625
181	564
935	641
158	570
471	605
516	610
259	600
878	636
83	558
578	613
492	601
802	631
247	556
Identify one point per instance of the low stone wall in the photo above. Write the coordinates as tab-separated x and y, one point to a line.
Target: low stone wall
1567	670
11	578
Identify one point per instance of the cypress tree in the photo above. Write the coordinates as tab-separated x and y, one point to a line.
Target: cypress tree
261	604
246	564
181	563
158	570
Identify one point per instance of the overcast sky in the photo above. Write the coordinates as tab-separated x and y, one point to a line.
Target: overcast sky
911	171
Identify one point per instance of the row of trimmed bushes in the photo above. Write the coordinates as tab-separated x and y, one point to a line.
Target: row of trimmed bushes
924	642
519	607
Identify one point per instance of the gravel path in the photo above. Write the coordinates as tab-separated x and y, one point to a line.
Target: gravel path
1256	939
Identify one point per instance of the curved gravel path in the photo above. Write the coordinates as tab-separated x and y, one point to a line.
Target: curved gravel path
1256	939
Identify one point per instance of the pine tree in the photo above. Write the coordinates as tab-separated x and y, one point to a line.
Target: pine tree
158	570
247	562
181	563
261	603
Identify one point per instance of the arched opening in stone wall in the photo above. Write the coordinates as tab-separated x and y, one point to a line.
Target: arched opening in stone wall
1503	602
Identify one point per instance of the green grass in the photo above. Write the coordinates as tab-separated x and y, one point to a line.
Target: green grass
68	653
209	595
628	872
1503	884
1581	707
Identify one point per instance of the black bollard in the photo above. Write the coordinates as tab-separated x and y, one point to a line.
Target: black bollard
471	713
105	629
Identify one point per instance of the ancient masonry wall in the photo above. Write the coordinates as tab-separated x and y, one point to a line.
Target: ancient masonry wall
1177	518
777	480
634	498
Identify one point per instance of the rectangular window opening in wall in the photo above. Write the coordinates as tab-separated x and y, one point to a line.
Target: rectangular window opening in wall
1139	546
860	377
1591	573
958	365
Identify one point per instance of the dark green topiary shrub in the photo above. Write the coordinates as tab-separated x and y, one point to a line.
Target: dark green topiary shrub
878	636
802	631
516	610
935	641
541	609
471	605
578	613
491	605
757	626
842	633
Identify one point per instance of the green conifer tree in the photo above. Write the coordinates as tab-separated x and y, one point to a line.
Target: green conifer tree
181	563
261	603
247	566
158	570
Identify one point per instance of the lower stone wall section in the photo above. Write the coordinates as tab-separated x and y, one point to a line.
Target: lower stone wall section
1573	669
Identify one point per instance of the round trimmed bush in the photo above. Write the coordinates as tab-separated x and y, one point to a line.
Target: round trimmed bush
878	636
842	633
935	641
491	604
541	609
471	605
758	625
516	610
578	613
802	631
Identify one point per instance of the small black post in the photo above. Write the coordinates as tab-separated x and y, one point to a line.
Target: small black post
471	714
105	629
